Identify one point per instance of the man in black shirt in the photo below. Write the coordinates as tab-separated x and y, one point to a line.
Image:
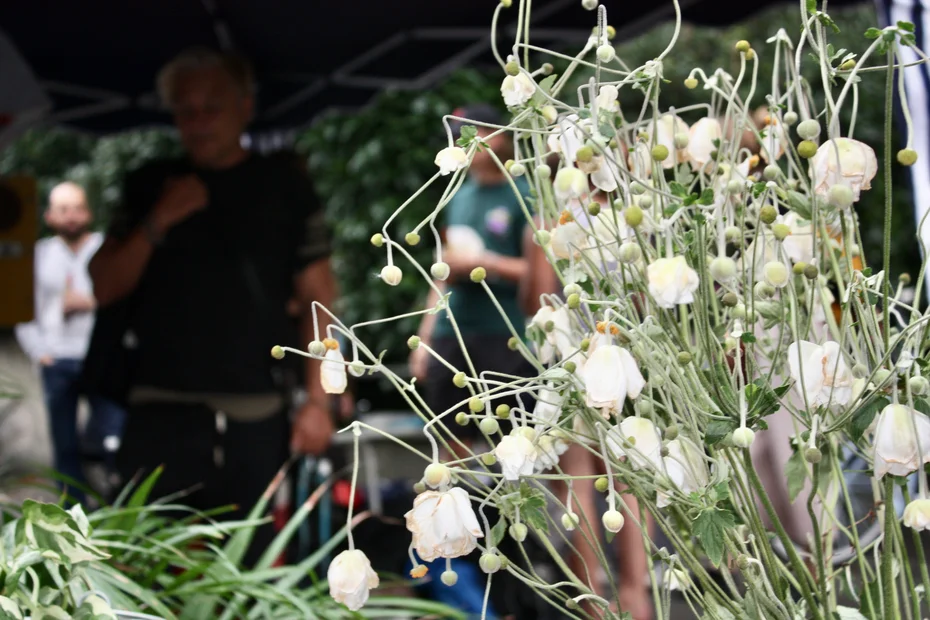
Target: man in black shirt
209	250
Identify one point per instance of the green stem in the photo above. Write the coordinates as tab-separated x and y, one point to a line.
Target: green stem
818	539
918	546
889	591
889	93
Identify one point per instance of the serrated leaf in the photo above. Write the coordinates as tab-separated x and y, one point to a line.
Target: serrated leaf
862	418
906	26
874	590
606	130
796	473
710	527
717	430
811	6
723	491
466	134
497	532
922	406
677	189
707	197
748	338
757	189
533	508
873	33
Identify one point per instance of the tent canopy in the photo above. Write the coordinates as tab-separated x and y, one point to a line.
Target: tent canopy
98	59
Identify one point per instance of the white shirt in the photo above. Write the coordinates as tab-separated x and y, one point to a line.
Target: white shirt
51	332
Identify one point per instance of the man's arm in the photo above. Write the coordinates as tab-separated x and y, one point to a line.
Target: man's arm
540	278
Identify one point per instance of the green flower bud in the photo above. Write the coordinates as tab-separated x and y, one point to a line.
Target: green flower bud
606	53
437	474
502	411
743	437
547	68
488	425
881	376
722	269
584	154
506	4
681	140
771	172
775	273
412	238
636	188
918	385
633	216
602	484
413	342
570	367
513	343
798	268
593	209
517	170
729	299
791	117
490	563
904	278
684	358
613	521
781	231
450	577
691	83
317	348
767	214
764	290
512	68
542	237
733	234
543	171
461	419
629	252
807	149
907	157
734	186
478	274
813	455
569	521
660	152
811	272
489	459
848	65
475	404
277	352
840	196
585	344
419	487
739	312
377	240
809	129
645	201
574	301
671	432
644	406
440	271
459	379
860	371
743	46
518	532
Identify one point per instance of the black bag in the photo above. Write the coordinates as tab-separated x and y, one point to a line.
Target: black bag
113	353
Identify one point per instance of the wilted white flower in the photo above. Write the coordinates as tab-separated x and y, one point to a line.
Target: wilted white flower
443	524
516	455
637	439
450	159
559	339
517	90
350	578
672	281
917	514
902	441
548	450
610	375
333	372
685	466
666	127
701	141
799	245
821	372
845	162
607	98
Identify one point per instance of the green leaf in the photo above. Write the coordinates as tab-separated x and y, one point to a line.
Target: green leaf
874	590
707	197
757	189
723	491
717	430
533	508
862	418
497	532
710	527
906	26
606	130
921	405
811	6
796	473
545	86
827	21
748	338
677	189
466	135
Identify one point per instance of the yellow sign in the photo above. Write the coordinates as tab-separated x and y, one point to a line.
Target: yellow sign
19	229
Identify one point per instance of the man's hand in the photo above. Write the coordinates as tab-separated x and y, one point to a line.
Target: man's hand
180	198
46	360
461	265
312	430
636	601
76	302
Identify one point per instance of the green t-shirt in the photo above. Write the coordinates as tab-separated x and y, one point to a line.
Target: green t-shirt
493	212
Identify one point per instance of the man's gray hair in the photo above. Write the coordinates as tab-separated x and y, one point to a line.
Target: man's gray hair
198	58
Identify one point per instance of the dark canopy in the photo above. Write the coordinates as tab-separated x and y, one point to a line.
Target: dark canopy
98	58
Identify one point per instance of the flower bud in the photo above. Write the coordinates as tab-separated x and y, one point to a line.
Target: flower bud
681	140
528	432
613	521
419	487
904	278
636	188
860	371
881	376
450	577
589	5
512	68
440	271
475	404
461	419
809	129
743	437
585	344
489	426
771	172
391	274
584	155
671	432
502	411
517	170
317	348
570	367
813	455
458	379
572	288
543	171
798	268
811	272
478	274
791	117
547	68
630	252
732	233
645	201
606	53
684	358
734	186
550	114
413	342
768	214
907	157
644	406
569	521
743	46
277	352
776	273
691	83
764	290
377	240
723	269
490	563
807	149
513	343
518	532
840	196
848	65
437	475
602	484
918	385
489	459
729	299
633	216
781	231
739	311
412	238
743	561
356	368
593	209
660	152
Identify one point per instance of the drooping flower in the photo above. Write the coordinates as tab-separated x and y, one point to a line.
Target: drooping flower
799	245
821	372
549	448
607	99
548	407
843	161
686	467
667	127
443	524
672	281
568	240
558	340
450	159
917	514
517	90
701	141
610	375
772	145
570	183
605	177
333	372
637	439
516	455
350	578
567	137
902	441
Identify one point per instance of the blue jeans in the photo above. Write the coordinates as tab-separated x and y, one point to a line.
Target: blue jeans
61	382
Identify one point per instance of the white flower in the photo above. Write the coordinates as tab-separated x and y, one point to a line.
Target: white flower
605	177
820	372
517	90
559	339
548	407
678	579
567	137
637	439
640	161
350	578
701	141
607	99
843	161
686	467
666	126
671	281
610	375
799	245
570	183
902	441
450	159
333	372
548	450
443	524
568	240
917	514
516	455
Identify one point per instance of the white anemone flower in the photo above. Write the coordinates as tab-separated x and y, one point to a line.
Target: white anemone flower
638	440
558	344
667	127
548	450
350	578
517	90
821	372
450	159
701	141
333	372
607	99
610	375
672	281
443	524
902	441
917	514
516	455
843	161
686	468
